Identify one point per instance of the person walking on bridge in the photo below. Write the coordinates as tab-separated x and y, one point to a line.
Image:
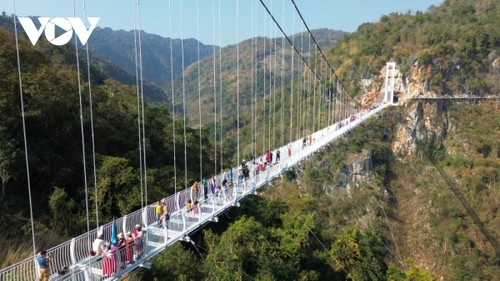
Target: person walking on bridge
43	264
159	211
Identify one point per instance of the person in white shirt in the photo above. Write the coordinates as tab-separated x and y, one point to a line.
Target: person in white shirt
99	245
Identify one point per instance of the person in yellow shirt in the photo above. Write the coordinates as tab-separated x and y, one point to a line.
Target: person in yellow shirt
159	212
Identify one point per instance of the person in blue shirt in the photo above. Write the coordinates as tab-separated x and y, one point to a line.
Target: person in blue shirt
43	264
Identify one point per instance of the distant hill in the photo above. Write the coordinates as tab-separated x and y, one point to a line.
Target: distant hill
268	62
113	53
118	47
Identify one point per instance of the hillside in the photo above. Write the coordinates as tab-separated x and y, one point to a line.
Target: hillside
117	46
454	47
412	195
52	106
271	55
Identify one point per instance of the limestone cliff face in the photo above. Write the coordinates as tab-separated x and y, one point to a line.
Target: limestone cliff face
356	170
419	121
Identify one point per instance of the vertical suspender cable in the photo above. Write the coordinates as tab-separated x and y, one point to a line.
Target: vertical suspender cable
264	91
138	104
283	78
82	129
91	123
215	87
301	87
199	84
220	89
183	96
173	92
292	78
274	88
270	82
310	92
330	98
142	107
26	159
253	102
321	99
238	76
314	94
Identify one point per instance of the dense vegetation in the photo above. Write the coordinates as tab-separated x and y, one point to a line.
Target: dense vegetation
456	42
54	144
419	216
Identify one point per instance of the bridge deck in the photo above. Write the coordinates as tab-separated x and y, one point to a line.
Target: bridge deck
75	253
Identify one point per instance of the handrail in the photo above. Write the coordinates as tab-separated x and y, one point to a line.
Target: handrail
182	222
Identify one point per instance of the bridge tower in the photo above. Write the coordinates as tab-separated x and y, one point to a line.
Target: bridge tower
390	69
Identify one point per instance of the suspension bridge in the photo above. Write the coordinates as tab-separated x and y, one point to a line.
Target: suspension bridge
74	254
341	114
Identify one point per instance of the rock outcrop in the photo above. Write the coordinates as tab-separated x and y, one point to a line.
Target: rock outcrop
356	170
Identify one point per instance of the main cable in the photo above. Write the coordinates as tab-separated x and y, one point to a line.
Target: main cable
319	49
287	38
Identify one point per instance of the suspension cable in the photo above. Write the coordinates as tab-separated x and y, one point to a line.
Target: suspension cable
82	129
215	87
142	107
300	128
87	53
221	113
270	92
286	36
199	81
282	78
138	104
310	86
319	48
238	76
314	94
26	159
292	82
183	95
264	122
173	92
254	100
274	90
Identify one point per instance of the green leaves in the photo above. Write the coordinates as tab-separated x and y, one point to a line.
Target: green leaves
360	255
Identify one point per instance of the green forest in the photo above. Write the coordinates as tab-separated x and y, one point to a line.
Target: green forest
426	215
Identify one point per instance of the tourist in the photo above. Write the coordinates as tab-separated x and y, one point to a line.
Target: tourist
43	265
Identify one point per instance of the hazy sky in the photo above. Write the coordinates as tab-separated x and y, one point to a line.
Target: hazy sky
236	21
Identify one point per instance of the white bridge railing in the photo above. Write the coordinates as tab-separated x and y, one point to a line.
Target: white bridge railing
75	254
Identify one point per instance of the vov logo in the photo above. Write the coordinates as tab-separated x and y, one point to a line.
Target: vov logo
49	25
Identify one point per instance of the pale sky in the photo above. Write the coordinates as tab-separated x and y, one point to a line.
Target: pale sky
238	19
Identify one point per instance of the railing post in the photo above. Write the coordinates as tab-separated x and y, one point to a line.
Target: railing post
145	217
72	247
124	226
177	201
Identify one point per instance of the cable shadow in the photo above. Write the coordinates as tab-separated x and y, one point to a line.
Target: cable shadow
453	187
